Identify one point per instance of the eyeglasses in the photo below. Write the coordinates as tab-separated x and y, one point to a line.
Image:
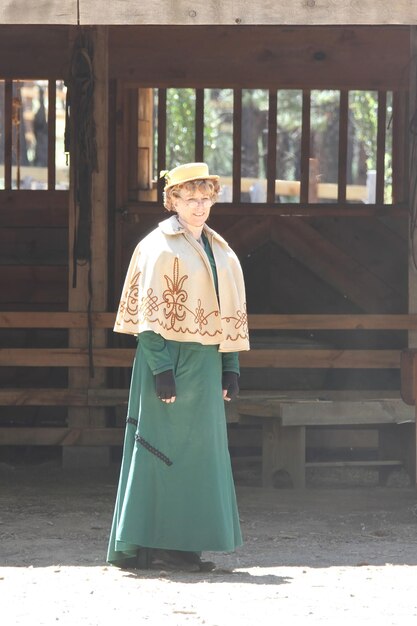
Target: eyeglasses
193	203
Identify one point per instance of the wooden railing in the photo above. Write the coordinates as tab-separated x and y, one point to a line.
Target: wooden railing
123	357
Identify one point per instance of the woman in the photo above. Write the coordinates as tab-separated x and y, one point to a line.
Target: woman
184	298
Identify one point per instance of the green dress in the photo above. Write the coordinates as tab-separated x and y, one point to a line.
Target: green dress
176	487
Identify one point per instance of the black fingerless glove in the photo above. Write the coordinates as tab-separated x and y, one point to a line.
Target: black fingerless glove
230	384
165	385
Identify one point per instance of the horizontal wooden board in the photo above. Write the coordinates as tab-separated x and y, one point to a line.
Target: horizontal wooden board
51	319
63	397
291	209
33	284
366	464
266	56
34	208
34	246
214	12
123	357
325	408
33	52
337	412
43	12
61	436
243	12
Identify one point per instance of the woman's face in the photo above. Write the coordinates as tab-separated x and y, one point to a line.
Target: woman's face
193	207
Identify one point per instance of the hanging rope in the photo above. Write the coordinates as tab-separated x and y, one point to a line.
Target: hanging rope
80	130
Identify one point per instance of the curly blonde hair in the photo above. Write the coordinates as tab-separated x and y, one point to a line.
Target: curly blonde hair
205	186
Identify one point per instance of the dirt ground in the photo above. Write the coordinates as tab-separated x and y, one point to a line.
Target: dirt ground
324	555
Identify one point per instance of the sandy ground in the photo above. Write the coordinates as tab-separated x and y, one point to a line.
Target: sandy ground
318	556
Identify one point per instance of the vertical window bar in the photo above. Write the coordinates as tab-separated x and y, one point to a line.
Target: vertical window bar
8	109
51	133
380	147
237	144
272	147
305	147
132	164
399	159
343	145
199	125
162	138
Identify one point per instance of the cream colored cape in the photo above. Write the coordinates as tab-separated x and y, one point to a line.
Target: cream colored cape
169	289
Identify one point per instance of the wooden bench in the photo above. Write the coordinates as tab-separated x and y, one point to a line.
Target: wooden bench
284	417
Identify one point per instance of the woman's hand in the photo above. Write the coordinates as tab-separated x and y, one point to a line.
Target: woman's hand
230	385
165	386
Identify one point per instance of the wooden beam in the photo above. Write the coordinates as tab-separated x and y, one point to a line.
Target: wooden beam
247	234
63	397
33	208
162	139
305	148
145	143
237	12
333	322
74	319
380	147
272	57
326	408
343	145
399	145
132	145
45	284
311	359
61	436
90	291
47	12
8	99
334	266
51	133
272	147
33	52
123	357
199	125
364	239
216	12
237	144
285	209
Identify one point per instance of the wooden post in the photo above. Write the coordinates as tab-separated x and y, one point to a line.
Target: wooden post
78	296
412	270
145	115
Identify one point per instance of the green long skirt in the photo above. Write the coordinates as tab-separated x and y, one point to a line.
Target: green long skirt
176	487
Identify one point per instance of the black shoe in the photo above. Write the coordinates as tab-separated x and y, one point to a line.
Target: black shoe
144	558
173	561
194	557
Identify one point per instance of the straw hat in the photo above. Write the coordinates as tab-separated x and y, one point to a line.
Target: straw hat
185	173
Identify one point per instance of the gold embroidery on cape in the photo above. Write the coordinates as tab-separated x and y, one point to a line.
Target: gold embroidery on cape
175	309
241	322
175	297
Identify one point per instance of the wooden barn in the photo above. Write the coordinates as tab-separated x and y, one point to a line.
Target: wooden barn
308	114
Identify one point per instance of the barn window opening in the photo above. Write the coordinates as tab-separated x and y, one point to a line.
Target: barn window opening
254	145
32	126
324	146
279	146
181	116
288	148
218	137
